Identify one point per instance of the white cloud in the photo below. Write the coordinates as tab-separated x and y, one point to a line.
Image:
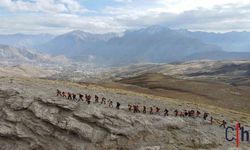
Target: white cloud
73	5
47	6
60	16
179	6
58	23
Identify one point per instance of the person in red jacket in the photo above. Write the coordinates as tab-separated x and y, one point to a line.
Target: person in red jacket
58	92
157	109
110	103
103	100
138	108
69	96
151	110
74	96
118	105
64	94
135	108
223	124
166	112
80	97
176	112
198	113
88	99
182	114
129	107
211	120
144	109
205	116
96	99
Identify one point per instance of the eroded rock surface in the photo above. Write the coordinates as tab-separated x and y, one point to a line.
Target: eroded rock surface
37	119
37	123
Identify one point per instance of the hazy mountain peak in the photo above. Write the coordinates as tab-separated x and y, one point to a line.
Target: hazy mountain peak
77	34
155	29
86	36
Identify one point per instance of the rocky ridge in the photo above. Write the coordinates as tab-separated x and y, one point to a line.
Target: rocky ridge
34	118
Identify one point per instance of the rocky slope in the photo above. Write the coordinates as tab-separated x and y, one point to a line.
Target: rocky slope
32	117
12	55
25	40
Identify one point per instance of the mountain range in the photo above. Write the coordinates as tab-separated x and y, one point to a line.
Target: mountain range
230	41
152	44
75	43
14	56
25	40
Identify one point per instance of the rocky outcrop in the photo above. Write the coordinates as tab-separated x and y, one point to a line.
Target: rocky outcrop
58	124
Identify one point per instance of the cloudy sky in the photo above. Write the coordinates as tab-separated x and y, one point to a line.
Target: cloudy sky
99	16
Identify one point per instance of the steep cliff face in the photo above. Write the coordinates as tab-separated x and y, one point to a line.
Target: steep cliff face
35	120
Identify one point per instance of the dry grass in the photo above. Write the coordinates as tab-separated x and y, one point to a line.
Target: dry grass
195	91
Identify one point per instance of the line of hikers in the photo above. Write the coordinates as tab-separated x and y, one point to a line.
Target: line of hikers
135	108
73	96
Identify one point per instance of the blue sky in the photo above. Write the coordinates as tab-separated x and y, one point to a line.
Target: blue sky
100	16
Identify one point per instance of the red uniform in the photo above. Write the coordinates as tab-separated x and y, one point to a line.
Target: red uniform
69	96
74	96
64	94
81	97
211	120
198	113
96	99
103	100
58	93
151	110
176	112
110	104
129	107
223	124
165	112
144	109
157	109
135	108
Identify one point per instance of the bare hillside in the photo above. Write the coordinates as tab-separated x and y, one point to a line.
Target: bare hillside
36	118
196	91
